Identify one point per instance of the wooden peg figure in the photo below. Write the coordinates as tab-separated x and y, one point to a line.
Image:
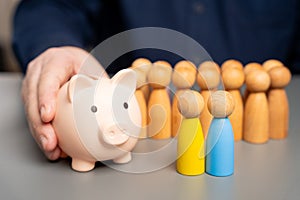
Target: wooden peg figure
159	106
183	78
220	142
269	64
233	79
232	64
256	117
208	80
190	146
141	81
144	65
278	102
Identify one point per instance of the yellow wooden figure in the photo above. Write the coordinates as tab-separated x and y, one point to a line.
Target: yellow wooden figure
190	146
159	106
208	79
183	78
143	64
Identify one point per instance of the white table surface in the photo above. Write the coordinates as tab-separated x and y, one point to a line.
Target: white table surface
270	171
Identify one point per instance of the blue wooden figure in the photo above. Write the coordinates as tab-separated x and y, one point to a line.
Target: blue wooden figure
220	141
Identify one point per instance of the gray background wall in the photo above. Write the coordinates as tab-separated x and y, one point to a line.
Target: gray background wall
7	59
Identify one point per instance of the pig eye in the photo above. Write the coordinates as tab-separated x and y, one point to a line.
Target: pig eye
125	105
94	108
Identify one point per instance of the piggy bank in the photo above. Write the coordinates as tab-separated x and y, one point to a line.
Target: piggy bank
98	120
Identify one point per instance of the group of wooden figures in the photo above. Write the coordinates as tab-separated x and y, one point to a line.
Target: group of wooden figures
208	122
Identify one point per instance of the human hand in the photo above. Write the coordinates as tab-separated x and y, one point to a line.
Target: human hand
44	77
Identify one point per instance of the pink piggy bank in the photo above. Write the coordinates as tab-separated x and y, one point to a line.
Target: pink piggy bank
98	120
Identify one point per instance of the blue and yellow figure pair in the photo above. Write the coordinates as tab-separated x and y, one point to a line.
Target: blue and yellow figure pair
217	156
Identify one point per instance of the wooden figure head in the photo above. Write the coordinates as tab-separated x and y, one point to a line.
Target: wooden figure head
208	78
184	75
232	64
159	75
258	81
143	64
280	77
252	66
209	65
190	104
269	64
233	78
221	104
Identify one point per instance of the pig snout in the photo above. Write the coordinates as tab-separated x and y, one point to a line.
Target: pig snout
115	135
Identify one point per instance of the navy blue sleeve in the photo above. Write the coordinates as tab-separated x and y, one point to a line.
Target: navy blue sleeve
40	24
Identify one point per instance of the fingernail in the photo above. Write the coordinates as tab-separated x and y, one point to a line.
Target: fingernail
43	141
45	110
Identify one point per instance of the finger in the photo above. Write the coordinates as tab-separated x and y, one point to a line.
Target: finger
49	83
30	81
53	155
42	133
29	95
47	137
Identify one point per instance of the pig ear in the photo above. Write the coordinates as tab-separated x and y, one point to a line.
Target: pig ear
80	82
125	77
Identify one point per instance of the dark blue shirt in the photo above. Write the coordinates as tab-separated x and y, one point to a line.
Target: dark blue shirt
247	30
